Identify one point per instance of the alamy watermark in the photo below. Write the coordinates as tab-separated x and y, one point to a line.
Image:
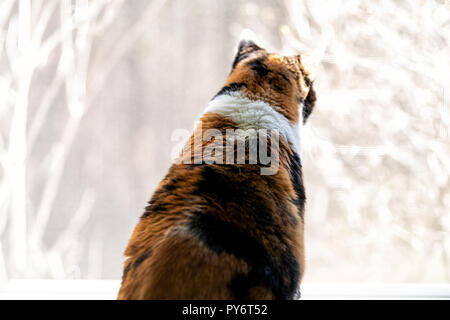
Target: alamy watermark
230	146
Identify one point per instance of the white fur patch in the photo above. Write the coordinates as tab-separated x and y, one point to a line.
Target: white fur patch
251	114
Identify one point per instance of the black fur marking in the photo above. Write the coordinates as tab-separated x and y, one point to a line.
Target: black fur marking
284	77
258	66
155	205
171	184
142	258
280	274
226	189
219	186
309	104
240	285
275	83
135	264
190	166
239	58
125	271
297	182
232	87
306	78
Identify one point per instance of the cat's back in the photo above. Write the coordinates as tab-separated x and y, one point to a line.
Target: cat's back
214	232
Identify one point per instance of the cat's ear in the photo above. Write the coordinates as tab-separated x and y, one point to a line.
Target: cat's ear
309	64
247	45
247	41
311	61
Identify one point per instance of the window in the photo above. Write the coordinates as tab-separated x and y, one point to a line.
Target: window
91	92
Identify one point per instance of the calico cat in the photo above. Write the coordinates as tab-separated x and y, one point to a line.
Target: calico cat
231	231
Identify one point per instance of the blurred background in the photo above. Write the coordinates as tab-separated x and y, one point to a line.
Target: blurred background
91	91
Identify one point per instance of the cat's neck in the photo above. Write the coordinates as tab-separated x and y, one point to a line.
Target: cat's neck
255	114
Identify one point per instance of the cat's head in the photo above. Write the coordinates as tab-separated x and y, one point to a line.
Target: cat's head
284	82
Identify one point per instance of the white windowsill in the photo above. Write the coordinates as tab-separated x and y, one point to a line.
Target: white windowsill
107	289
